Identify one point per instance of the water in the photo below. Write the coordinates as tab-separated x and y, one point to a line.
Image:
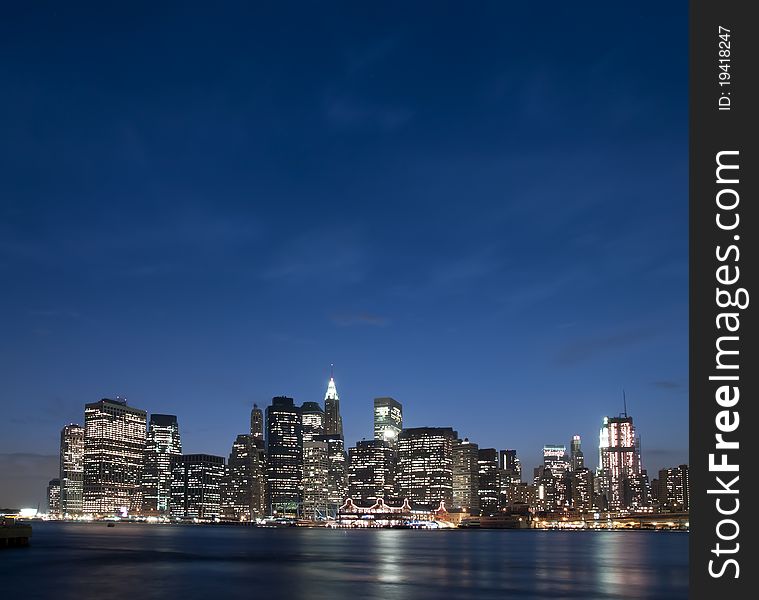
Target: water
141	562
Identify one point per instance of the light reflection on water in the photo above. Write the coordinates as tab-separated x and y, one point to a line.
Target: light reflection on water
219	562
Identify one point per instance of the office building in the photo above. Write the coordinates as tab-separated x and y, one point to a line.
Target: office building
488	488
54	497
425	465
163	444
576	458
196	486
257	423
388	420
284	457
466	475
114	457
674	489
581	491
316	503
337	480
333	422
619	459
371	471
511	465
311	420
244	497
71	469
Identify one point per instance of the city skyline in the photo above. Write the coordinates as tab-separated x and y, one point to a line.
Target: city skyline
214	206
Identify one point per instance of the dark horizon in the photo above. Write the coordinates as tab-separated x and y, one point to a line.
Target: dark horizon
480	214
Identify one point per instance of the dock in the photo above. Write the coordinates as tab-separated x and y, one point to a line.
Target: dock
15	535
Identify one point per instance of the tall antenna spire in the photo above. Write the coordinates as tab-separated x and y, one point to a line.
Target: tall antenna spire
332	370
624	401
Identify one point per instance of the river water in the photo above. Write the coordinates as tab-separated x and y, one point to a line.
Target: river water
142	562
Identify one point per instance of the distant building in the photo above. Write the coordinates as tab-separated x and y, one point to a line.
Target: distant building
388	420
114	457
576	456
333	422
196	486
284	456
582	489
466	475
619	459
488	488
257	423
163	444
71	470
245	492
674	489
371	471
556	460
54	497
425	465
509	462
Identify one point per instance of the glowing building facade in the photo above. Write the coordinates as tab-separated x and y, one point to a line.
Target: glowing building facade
163	444
487	476
71	471
114	457
619	460
371	471
315	479
425	465
284	457
244	497
196	486
333	422
54	497
388	420
466	474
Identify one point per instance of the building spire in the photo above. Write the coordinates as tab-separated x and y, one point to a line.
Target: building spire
331	389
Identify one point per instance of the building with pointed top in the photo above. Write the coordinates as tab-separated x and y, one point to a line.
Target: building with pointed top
333	422
257	423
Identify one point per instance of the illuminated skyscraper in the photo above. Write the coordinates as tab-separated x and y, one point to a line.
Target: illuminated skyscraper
315	478
333	422
619	459
575	455
196	486
114	457
71	472
488	489
311	420
337	487
284	456
244	497
582	489
466	476
673	489
54	497
425	465
163	444
371	471
257	423
388	419
511	465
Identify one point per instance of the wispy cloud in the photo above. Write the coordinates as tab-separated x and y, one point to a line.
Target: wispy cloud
584	349
349	319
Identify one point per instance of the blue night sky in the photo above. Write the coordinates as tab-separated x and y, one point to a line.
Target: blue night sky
480	210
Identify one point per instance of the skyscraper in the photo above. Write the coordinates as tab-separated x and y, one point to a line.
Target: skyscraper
54	497
245	494
371	471
114	456
196	484
311	420
487	475
466	476
388	419
315	478
163	443
674	489
333	422
337	474
511	465
576	456
619	459
284	456
71	472
425	464
257	423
